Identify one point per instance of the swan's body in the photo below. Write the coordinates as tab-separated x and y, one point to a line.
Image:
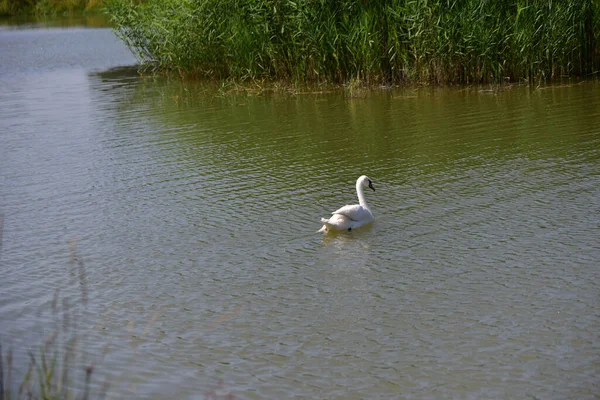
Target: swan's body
351	216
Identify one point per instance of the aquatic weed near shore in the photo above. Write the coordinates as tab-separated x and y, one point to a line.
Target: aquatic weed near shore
49	371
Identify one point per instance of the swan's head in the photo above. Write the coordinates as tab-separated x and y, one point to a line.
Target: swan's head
365	182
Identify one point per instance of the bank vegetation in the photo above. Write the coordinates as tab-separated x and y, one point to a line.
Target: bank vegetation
49	7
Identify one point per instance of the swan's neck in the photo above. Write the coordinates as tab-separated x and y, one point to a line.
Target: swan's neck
361	196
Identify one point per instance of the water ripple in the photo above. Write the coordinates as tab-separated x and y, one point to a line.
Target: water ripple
195	215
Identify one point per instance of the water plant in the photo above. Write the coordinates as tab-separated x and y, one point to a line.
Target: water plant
378	41
50	368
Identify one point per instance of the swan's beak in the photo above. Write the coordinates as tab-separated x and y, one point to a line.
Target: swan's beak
371	185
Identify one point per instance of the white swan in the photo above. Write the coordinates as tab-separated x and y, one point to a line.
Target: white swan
350	217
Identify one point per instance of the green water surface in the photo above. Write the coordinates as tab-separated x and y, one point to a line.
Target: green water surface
194	215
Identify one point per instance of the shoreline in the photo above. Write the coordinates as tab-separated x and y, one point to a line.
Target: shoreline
12	8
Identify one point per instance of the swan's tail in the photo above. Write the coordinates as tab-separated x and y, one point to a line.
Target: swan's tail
324	227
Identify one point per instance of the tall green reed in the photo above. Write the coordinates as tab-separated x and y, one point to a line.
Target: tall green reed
376	41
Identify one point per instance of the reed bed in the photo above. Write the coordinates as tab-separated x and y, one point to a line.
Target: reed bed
375	41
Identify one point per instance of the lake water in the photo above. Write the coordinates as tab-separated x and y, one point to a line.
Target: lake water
178	225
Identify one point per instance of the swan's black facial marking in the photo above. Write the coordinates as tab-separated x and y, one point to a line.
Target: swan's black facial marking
371	185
